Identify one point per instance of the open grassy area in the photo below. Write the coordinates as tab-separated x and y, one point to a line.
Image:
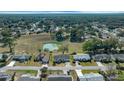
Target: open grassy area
122	64
20	72
120	76
88	64
30	44
73	47
2	64
55	72
89	71
28	64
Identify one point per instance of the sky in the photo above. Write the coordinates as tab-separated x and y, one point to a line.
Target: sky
62	5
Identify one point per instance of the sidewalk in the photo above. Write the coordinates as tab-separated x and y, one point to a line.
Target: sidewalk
11	63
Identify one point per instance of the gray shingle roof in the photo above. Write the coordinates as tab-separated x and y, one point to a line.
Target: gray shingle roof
59	78
81	57
4	76
61	58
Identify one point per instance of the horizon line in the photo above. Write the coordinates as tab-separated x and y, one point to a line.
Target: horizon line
58	12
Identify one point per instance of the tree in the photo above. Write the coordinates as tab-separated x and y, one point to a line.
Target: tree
110	43
13	76
92	45
64	48
59	35
43	73
8	40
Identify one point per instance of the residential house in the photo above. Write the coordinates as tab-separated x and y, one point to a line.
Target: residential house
61	58
89	76
82	57
81	77
118	57
28	77
22	58
94	77
102	57
59	78
5	77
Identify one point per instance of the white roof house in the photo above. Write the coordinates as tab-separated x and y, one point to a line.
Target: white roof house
94	77
80	75
89	77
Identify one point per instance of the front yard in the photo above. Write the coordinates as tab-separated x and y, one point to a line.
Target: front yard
89	71
88	64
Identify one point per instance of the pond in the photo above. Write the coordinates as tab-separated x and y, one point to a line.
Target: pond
50	47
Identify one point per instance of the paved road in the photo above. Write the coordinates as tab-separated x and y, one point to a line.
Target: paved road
55	68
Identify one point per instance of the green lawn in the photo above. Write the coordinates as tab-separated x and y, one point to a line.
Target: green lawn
2	64
121	76
32	72
89	71
88	64
55	72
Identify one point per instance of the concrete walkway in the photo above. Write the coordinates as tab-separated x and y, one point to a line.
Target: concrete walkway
38	73
11	64
99	64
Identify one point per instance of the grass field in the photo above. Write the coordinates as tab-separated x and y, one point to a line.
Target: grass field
30	44
55	72
20	72
121	76
28	64
89	71
2	64
88	64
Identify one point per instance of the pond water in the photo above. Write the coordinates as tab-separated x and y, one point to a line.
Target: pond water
50	47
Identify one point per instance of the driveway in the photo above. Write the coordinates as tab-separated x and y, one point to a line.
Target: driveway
11	64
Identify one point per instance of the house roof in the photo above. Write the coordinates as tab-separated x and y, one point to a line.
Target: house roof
91	75
63	58
119	56
59	78
4	76
82	56
21	57
28	77
101	56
